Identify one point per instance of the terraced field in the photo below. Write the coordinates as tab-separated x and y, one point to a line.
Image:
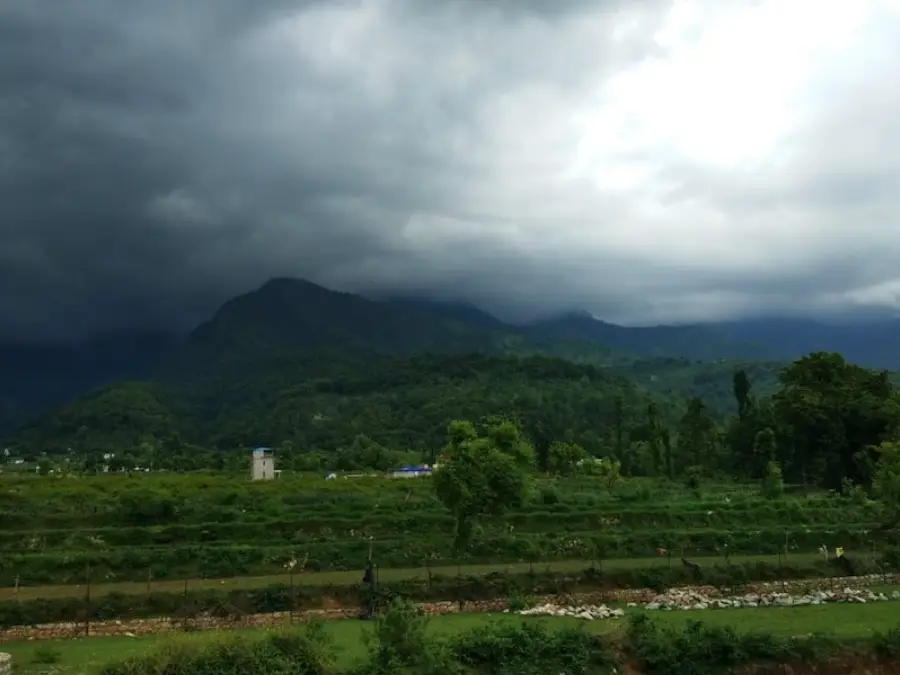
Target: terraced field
113	529
218	548
131	547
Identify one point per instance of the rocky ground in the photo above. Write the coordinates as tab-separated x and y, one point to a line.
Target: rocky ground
695	599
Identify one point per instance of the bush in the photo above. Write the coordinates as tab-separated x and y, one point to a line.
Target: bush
46	655
399	643
531	649
280	653
518	602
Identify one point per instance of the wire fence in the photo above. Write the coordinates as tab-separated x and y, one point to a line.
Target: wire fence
92	606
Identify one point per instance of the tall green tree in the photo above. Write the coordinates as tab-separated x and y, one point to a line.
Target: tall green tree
830	415
741	386
697	436
481	475
886	482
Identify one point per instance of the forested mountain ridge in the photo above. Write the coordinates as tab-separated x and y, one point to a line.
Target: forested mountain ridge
38	377
401	403
291	330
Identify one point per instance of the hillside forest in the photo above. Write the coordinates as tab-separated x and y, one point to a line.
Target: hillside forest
337	382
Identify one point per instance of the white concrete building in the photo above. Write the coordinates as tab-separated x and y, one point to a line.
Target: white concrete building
262	465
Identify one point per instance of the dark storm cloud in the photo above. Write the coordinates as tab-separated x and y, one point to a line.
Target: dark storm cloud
159	157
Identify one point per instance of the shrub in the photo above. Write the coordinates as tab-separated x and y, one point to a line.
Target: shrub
530	649
399	644
280	653
46	655
518	602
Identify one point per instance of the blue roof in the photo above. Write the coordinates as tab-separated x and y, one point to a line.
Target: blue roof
262	448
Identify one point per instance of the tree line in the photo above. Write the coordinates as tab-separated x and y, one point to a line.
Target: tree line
821	427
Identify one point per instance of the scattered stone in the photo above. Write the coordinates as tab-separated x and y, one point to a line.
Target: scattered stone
586	612
692	599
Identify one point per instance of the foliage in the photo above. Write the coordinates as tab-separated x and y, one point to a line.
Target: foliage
773	483
175	526
886	482
481	475
701	649
281	653
399	643
236	603
348	411
821	426
564	458
830	414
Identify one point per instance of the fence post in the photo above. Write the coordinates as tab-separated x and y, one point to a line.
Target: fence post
291	578
149	578
428	574
184	607
87	600
459	601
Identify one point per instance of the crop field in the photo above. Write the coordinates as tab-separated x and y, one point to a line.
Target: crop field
120	547
114	529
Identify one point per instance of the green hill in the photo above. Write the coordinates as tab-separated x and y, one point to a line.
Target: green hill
325	403
292	361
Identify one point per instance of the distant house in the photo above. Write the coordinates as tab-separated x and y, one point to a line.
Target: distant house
262	466
411	471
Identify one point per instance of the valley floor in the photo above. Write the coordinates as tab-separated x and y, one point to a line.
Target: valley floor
83	656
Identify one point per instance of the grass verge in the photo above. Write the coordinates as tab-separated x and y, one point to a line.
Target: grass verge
83	656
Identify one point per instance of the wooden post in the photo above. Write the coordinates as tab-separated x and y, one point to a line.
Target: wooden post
184	619
87	600
291	577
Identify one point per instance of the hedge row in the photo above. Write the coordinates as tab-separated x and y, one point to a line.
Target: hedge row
146	501
278	598
387	524
413	550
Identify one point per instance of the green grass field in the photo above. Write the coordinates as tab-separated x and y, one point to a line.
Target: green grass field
82	656
351	578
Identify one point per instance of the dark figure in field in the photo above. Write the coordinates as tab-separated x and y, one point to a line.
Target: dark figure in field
367	606
845	565
694	567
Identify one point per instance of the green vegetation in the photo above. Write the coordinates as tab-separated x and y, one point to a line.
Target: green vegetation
305	593
561	466
114	528
842	634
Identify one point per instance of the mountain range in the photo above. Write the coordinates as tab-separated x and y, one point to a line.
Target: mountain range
287	322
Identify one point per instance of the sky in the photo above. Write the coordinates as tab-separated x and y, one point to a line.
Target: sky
648	162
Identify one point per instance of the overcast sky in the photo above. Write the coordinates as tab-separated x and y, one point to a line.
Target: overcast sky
646	161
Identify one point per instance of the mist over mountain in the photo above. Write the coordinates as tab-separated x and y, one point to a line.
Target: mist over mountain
629	159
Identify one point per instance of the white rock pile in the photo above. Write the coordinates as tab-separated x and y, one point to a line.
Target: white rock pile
685	599
587	612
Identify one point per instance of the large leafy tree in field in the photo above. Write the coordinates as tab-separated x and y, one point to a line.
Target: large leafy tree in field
830	415
482	475
886	482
